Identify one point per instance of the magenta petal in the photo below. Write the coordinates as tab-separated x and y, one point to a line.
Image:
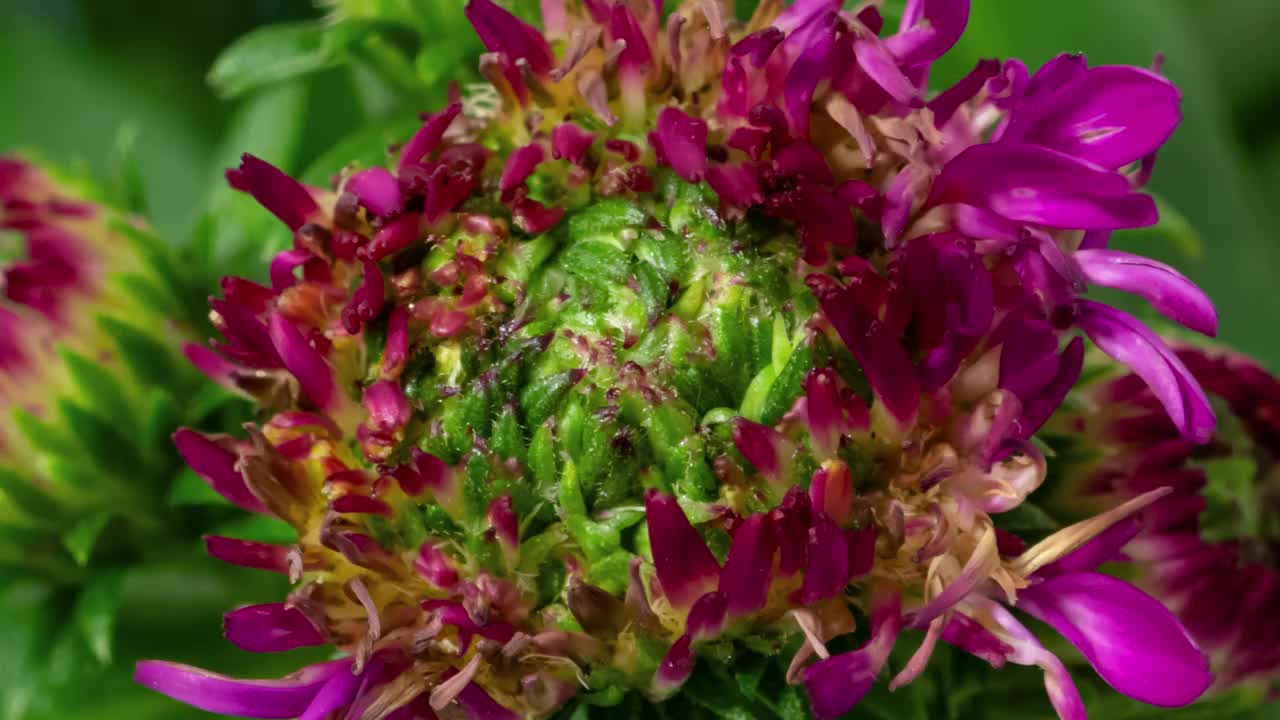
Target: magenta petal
748	569
950	100
737	185
284	698
768	450
823	410
570	142
707	616
862	550
928	29
1134	643
1057	74
427	138
392	237
976	640
874	59
1124	338
435	566
272	627
387	406
1175	296
675	668
361	505
1032	184
377	190
685	566
521	163
1036	410
367	301
1103	547
828	569
803	11
217	466
339	692
479	705
395	353
285	197
1109	115
283	265
505	523
246	334
811	68
684	143
247	553
874	345
839	683
302	360
503	32
209	363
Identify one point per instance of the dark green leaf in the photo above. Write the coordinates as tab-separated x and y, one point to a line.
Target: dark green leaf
148	359
36	504
128	191
367	147
105	442
162	417
190	489
95	613
259	528
276	53
787	386
83	536
1027	518
98	387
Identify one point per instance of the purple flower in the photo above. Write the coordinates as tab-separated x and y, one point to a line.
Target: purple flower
289	697
1197	549
522	353
1124	338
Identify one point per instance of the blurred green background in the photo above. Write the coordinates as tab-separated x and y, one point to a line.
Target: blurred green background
74	72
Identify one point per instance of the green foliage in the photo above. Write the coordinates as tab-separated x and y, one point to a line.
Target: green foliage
274	54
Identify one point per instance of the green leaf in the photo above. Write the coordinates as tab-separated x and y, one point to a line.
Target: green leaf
1027	518
604	219
1173	228
36	504
42	436
27	619
95	613
189	489
128	190
259	528
162	417
278	53
787	386
540	397
81	539
595	261
96	385
367	147
106	444
150	361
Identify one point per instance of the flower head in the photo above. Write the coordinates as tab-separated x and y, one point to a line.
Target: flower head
693	335
88	319
1208	548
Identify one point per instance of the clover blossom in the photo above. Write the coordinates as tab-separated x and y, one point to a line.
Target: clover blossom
687	337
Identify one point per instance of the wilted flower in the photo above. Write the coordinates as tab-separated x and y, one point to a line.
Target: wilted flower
1209	548
694	335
